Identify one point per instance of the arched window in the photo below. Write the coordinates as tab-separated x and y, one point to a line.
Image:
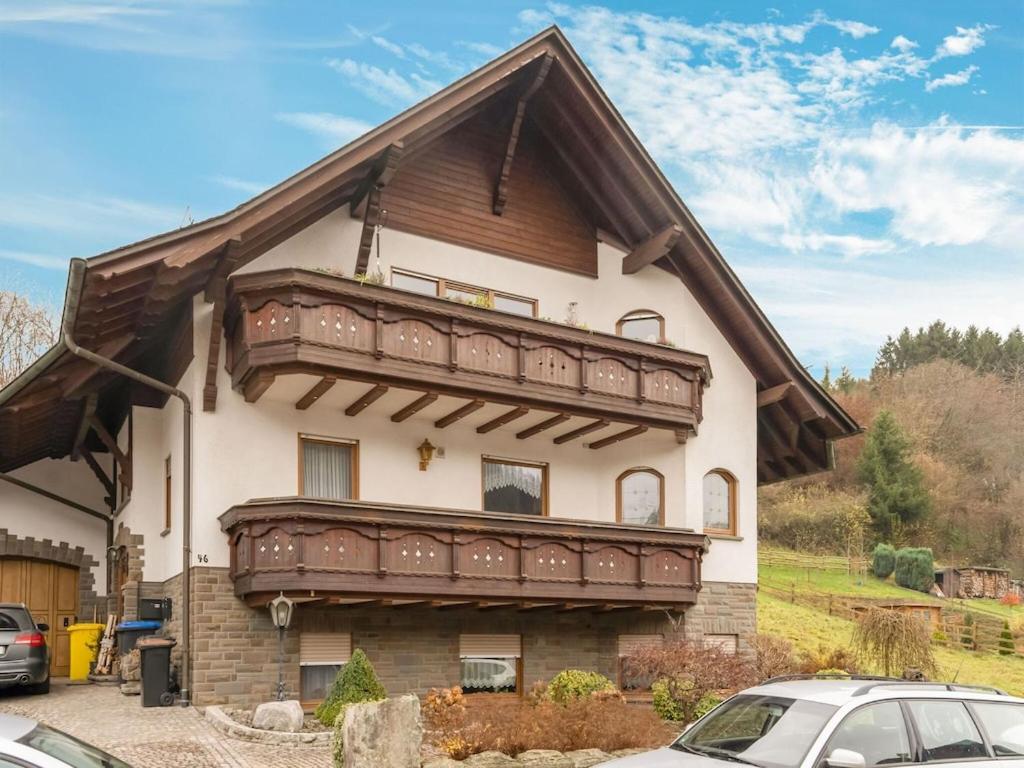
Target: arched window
640	497
642	325
719	502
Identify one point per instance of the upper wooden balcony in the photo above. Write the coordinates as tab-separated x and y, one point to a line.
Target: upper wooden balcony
291	321
353	552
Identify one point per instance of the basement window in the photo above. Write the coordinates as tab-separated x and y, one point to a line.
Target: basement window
321	657
490	663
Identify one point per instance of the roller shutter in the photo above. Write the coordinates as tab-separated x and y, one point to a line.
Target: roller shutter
490	646
325	647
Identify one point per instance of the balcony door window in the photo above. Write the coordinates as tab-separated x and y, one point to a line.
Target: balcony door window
321	657
490	663
464	293
327	468
719	502
641	498
515	487
642	325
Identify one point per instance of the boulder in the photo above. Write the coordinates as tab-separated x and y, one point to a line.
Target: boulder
544	758
491	759
383	734
283	716
584	758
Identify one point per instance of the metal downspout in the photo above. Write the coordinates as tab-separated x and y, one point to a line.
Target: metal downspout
76	280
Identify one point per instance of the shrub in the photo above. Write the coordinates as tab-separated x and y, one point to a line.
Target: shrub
691	671
598	721
707	702
773	656
816	518
894	641
1007	647
938	636
1010	598
824	659
967	634
915	568
572	684
883	561
665	703
356	682
832	673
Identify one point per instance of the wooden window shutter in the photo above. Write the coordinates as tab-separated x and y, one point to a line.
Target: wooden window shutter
630	645
726	643
489	646
325	647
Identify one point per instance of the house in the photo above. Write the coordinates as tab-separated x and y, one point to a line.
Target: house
475	390
973	582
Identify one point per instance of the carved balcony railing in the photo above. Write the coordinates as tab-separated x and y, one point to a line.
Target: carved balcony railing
298	321
353	549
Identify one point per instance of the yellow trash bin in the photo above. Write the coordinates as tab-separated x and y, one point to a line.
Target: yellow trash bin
85	646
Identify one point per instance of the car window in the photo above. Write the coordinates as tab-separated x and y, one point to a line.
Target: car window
75	753
877	731
947	730
14	618
1004	724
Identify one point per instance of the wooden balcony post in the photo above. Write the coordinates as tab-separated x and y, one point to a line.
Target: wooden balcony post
584	551
378	335
300	547
456	546
382	552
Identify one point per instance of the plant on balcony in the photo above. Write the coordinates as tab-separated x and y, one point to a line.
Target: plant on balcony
356	682
570	684
373	278
329	271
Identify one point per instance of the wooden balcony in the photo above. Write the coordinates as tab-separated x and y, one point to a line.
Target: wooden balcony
352	552
297	321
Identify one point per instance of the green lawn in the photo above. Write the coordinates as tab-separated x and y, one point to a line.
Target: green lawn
807	629
835	582
991	608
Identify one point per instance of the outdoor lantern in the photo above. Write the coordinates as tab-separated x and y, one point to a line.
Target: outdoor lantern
281	612
426	450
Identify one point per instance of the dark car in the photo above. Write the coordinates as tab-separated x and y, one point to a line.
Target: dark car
24	657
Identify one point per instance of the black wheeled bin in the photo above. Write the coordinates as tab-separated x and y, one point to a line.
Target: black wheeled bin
130	632
155	653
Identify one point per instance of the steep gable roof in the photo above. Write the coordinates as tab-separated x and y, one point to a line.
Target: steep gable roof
129	294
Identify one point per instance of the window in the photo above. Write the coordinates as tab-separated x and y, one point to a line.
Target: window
719	502
464	293
167	495
642	325
328	469
630	646
769	731
876	731
641	497
1004	724
514	487
321	656
68	750
724	643
490	663
946	729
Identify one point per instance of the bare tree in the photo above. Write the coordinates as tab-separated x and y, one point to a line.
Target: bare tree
26	331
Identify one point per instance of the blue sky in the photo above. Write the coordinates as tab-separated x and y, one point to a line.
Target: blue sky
860	164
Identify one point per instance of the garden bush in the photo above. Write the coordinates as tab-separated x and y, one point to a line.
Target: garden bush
894	642
883	561
822	659
773	656
356	682
915	568
666	706
604	722
1007	646
570	684
1010	599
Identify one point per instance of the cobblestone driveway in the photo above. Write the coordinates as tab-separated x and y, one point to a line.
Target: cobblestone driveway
152	738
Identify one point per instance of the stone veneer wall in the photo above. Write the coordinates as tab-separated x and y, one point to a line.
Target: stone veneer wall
130	545
235	650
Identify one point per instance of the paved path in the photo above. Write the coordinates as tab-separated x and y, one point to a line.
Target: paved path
155	737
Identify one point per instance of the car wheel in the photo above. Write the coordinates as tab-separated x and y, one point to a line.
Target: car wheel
40	688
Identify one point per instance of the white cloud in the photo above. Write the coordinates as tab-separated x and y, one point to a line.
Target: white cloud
35	259
963	77
901	43
387	45
385	86
240	185
112	217
965	41
483	49
337	129
854	29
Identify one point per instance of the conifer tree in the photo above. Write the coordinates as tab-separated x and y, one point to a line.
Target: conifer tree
896	493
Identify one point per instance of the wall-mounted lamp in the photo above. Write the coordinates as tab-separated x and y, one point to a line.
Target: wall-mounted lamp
426	451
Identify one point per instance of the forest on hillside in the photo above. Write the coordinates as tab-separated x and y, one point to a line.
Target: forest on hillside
940	463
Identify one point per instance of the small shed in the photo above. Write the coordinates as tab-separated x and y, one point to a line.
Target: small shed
929	612
973	581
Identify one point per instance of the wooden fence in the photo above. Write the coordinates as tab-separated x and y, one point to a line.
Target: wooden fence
784	558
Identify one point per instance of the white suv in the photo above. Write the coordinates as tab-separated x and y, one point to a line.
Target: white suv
804	722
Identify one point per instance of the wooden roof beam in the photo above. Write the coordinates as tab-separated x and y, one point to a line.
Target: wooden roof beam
501	188
503	419
773	394
586	429
256	385
536	429
619	437
369	398
101	475
651	249
315	393
414	407
459	413
88	409
380	175
371	214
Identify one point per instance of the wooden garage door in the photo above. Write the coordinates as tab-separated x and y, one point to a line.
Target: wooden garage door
51	593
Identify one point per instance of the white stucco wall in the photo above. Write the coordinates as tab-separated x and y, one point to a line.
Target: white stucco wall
24	513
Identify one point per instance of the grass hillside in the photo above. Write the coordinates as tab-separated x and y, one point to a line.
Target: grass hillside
836	583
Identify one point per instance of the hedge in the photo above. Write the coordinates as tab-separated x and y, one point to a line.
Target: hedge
883	561
915	568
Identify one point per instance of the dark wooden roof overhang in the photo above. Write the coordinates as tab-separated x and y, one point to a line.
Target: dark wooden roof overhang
132	299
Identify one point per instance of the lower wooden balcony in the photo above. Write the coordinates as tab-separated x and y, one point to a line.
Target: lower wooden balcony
352	552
